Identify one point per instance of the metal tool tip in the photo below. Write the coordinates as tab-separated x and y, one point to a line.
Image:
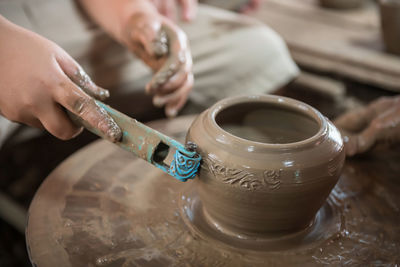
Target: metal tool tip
190	146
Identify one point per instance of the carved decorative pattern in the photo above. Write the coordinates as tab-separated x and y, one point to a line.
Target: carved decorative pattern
272	178
332	168
242	178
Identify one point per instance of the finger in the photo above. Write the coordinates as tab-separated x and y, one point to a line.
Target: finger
353	121
167	8
30	120
179	56
56	122
177	80
36	124
174	82
362	142
169	69
76	73
78	102
189	9
146	31
143	55
383	129
175	101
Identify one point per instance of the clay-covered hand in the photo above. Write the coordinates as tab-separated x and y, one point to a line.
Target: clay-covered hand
379	122
39	80
164	47
168	8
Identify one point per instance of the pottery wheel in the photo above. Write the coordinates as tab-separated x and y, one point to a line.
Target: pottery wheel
105	207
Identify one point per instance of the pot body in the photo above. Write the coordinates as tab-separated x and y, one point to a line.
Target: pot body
390	24
250	188
342	4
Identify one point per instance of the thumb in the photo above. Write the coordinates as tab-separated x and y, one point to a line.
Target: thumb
75	72
146	30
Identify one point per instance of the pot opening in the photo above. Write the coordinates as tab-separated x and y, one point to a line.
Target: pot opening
267	123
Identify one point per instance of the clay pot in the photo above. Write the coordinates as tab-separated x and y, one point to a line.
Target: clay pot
269	163
390	23
342	4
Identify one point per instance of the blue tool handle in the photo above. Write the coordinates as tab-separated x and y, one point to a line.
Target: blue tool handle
150	145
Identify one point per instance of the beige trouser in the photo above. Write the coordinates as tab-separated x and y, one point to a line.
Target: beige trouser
232	54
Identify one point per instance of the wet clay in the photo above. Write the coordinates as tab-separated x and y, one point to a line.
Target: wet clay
390	23
105	207
272	167
170	49
82	79
266	124
160	44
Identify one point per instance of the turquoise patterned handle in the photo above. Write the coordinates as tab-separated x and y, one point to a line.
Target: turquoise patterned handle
150	145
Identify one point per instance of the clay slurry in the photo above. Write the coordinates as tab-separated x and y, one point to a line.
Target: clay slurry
266	123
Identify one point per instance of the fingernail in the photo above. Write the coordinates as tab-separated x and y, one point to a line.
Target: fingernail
104	94
77	133
158	102
171	112
114	133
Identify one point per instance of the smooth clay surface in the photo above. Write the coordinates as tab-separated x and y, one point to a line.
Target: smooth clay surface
105	207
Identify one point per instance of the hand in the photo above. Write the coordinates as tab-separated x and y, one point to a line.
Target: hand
39	80
379	122
164	47
168	8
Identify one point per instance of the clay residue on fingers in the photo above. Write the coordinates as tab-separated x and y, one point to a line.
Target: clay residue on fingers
114	133
88	86
161	44
170	68
105	123
164	75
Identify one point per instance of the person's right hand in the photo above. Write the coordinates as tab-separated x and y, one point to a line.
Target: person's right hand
39	80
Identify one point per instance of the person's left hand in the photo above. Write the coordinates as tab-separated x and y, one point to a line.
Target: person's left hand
164	47
168	8
379	122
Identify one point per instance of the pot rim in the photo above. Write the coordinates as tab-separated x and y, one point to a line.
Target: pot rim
290	103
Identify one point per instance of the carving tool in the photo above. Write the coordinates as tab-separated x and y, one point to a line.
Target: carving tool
150	145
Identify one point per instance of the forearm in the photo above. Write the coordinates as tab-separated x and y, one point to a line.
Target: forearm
112	15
